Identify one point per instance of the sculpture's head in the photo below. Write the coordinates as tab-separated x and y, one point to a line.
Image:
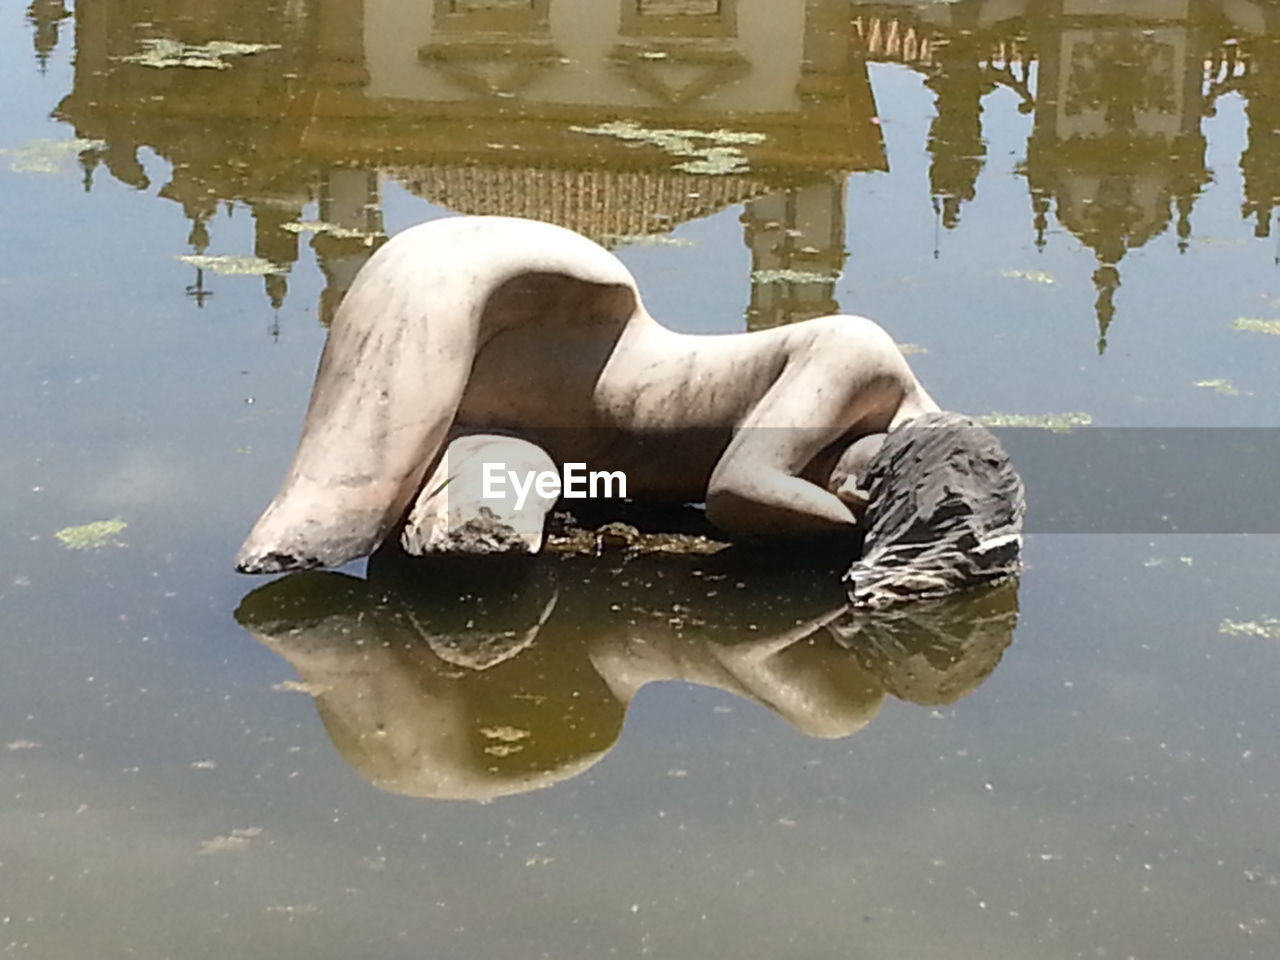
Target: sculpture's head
945	513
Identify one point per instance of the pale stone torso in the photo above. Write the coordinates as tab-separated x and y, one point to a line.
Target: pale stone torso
637	397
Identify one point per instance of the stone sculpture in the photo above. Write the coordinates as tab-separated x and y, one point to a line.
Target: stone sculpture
478	339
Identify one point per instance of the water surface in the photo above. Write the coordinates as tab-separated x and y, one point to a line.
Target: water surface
1064	208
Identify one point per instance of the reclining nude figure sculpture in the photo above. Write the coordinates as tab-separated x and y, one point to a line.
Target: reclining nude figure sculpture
495	339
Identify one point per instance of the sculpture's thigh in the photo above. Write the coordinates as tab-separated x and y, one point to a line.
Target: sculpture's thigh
453	515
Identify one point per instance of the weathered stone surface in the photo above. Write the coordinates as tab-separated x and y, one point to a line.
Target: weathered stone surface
513	327
452	515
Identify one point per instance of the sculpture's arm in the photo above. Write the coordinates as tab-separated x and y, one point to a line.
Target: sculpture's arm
844	379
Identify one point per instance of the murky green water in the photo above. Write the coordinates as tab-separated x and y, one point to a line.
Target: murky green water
1066	208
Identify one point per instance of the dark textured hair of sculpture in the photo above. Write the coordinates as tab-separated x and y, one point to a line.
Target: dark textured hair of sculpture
945	513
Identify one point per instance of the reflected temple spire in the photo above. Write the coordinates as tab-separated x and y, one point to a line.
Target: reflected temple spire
45	17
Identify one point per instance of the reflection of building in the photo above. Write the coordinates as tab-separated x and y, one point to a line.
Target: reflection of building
627	118
615	119
1117	142
1120	89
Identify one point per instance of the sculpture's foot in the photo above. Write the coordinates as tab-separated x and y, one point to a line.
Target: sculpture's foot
453	515
274	561
303	531
300	552
480	534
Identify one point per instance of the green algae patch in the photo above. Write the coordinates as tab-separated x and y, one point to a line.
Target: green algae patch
1222	386
1031	276
47	156
238	839
92	536
715	162
1257	325
331	230
710	152
232	266
646	240
792	276
1057	422
160	53
1267	628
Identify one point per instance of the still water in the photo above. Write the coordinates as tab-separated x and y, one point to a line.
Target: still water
1065	209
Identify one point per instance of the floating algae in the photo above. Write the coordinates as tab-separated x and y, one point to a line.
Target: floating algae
91	536
331	230
161	53
299	686
576	540
503	749
715	162
1057	422
646	240
231	266
1256	325
792	276
47	156
712	152
1225	387
1268	628
505	734
1034	276
236	840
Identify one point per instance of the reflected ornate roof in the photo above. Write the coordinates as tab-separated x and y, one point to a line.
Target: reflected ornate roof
602	204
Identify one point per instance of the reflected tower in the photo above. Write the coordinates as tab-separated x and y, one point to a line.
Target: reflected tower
1260	161
956	145
1117	146
45	18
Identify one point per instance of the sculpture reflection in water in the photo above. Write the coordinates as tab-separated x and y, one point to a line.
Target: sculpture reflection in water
498	685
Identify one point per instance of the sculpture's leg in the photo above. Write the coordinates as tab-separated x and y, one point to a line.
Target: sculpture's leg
386	392
757	486
398	359
454	515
